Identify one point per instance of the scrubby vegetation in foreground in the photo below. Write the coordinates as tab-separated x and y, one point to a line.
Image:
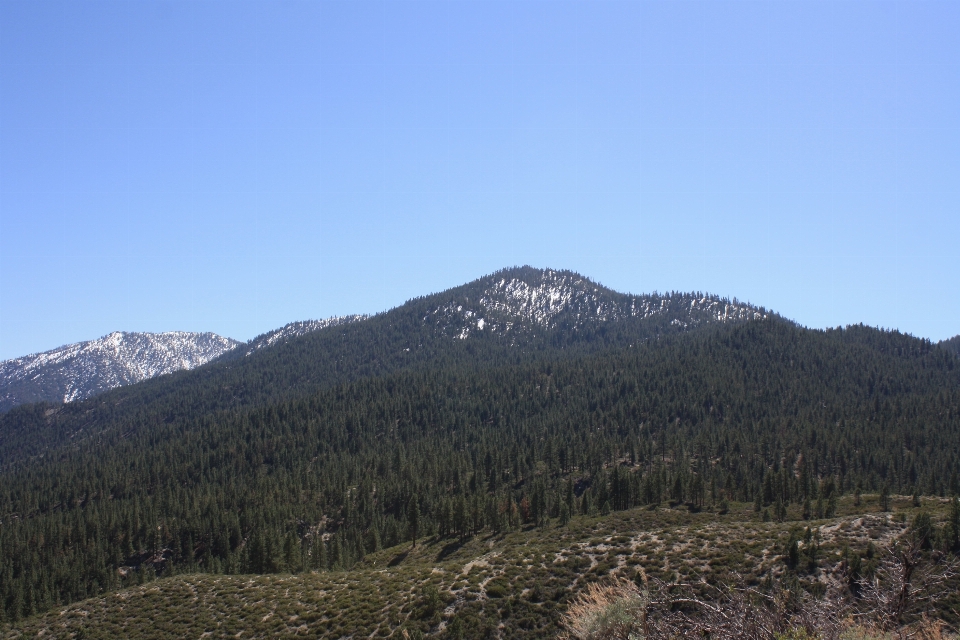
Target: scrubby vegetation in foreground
521	584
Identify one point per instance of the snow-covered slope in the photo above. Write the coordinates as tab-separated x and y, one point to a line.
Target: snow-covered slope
81	370
528	299
77	371
295	329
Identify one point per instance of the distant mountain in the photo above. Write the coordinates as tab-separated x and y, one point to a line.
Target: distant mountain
81	370
85	369
510	317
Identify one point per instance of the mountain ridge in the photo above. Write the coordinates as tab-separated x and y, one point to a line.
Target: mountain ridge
515	307
83	369
295	330
552	299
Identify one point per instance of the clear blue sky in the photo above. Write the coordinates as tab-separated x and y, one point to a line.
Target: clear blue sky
231	166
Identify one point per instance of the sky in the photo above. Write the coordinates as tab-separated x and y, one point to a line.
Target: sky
234	166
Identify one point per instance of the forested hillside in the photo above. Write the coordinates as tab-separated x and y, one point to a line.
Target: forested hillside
512	316
762	411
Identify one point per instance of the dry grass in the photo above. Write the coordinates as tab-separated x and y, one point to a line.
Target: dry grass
613	611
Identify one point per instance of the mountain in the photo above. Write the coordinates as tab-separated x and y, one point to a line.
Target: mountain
525	300
522	398
518	307
518	310
760	412
81	370
85	369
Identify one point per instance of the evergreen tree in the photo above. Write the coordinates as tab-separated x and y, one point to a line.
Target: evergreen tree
885	498
413	522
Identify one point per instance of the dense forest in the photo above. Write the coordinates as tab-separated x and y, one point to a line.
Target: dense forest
482	435
421	334
953	344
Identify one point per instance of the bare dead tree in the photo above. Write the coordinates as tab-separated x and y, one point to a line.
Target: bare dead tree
900	599
742	613
905	587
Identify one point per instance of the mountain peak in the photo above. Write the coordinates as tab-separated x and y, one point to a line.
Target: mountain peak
539	298
83	369
547	299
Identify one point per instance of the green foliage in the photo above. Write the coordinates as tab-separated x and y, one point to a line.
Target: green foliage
792	551
269	464
431	604
952	345
922	529
723	506
795	634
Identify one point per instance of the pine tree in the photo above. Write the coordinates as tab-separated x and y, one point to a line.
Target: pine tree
413	521
564	514
832	504
570	497
885	498
723	506
780	510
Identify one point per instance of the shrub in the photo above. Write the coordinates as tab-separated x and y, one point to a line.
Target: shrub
794	634
613	611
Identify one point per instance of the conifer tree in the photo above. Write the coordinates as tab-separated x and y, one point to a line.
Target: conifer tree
885	498
413	521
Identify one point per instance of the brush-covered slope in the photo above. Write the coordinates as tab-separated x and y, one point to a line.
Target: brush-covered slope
514	585
761	411
77	371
